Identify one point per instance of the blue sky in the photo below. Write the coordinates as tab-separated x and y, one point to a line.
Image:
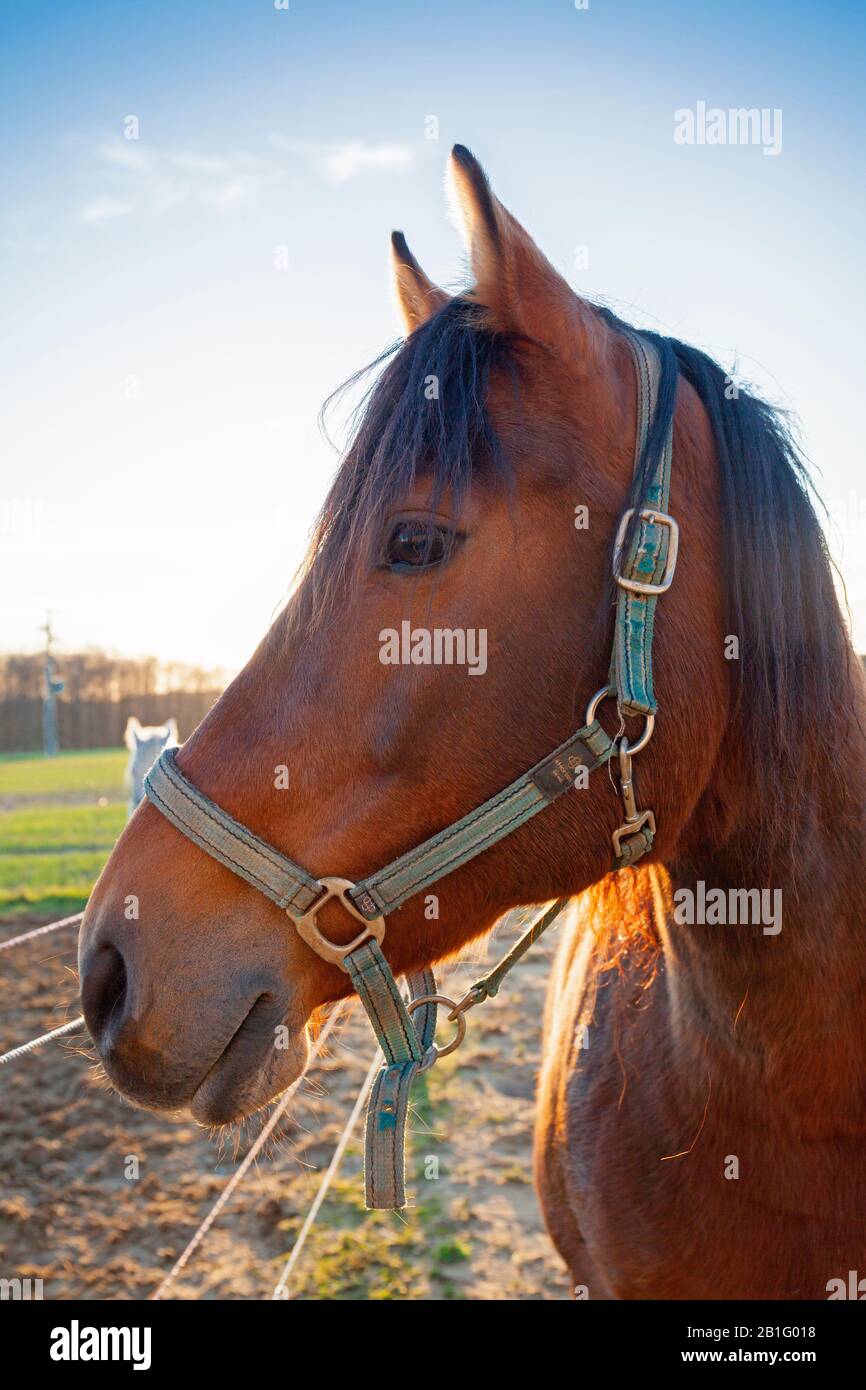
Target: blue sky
162	374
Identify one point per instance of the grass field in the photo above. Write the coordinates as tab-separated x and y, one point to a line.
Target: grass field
59	818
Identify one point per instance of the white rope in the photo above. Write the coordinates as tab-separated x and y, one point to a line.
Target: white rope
40	931
281	1290
39	1042
239	1175
55	1032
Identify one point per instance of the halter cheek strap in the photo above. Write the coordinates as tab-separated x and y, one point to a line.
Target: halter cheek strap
649	568
405	1030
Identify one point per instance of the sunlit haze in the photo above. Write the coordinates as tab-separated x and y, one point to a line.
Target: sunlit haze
178	305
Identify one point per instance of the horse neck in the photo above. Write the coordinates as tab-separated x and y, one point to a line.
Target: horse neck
792	1001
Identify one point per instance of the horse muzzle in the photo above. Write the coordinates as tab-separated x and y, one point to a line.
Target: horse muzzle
219	1054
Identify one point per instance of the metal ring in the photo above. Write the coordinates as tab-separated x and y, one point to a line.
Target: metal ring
596	701
331	951
631	748
649	721
459	1019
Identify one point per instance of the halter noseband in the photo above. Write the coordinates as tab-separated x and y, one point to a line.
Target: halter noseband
406	1041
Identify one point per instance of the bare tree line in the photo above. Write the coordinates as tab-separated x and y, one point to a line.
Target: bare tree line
100	692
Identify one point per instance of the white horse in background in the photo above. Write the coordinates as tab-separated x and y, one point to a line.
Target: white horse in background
145	743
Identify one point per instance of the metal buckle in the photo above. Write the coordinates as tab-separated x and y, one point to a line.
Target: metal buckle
655	518
331	951
629	828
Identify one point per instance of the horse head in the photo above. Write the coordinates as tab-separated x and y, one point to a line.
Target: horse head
476	508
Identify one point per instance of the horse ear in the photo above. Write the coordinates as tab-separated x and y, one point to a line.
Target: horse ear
171	733
514	280
130	733
418	298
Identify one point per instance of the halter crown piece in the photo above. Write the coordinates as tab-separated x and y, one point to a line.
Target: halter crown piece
405	1029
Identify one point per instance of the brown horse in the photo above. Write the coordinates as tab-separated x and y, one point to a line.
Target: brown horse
702	1113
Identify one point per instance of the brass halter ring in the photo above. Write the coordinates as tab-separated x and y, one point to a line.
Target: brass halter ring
331	951
649	720
459	1019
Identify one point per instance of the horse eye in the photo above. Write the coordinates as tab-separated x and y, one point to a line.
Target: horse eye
414	545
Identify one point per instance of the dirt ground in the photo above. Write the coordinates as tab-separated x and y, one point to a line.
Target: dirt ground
72	1214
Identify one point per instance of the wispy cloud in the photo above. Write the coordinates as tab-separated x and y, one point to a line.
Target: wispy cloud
140	179
104	209
145	179
349	160
341	160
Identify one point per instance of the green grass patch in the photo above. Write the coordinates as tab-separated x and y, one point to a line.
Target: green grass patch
452	1252
86	771
36	884
47	904
58	829
55	836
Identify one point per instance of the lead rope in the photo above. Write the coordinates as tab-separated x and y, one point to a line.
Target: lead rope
488	985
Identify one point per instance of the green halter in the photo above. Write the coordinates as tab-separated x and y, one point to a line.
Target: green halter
406	1040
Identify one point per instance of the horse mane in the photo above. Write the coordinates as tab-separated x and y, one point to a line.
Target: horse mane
426	414
791	684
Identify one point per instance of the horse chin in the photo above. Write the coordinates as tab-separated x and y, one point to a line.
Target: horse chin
236	1086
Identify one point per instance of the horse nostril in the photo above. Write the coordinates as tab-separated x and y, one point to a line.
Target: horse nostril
103	991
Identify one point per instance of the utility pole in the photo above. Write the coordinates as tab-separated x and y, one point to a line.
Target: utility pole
52	689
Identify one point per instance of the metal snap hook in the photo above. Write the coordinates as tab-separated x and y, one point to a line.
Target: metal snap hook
635	820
